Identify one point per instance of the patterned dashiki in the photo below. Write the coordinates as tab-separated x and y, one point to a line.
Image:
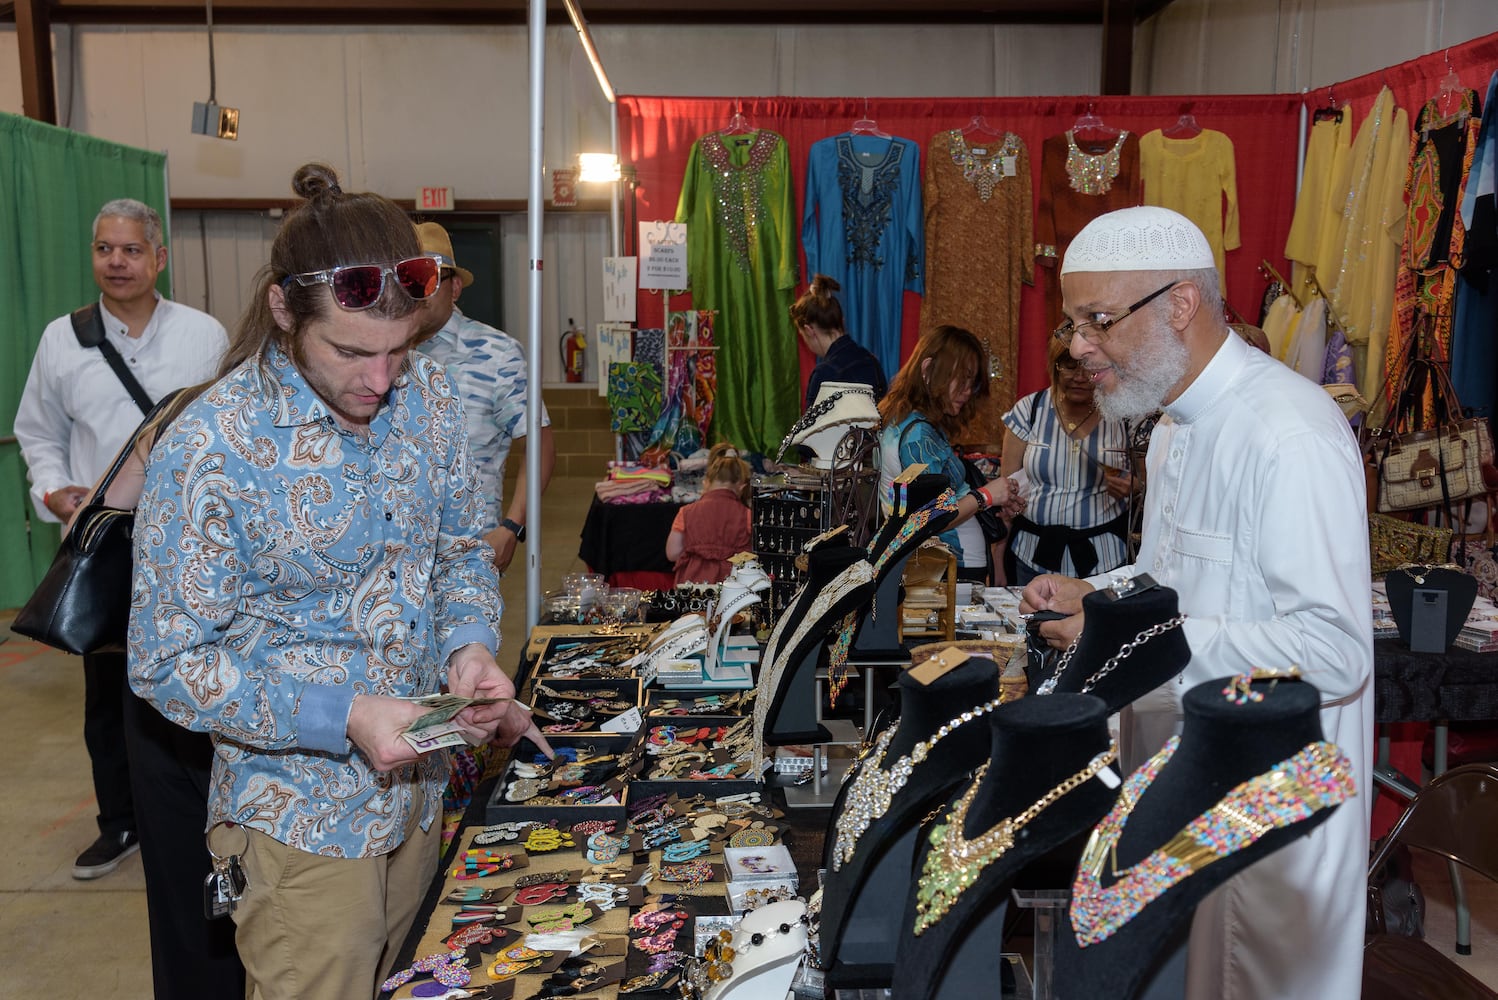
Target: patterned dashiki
287	564
487	367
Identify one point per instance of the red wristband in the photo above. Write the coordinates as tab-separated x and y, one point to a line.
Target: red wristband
986	496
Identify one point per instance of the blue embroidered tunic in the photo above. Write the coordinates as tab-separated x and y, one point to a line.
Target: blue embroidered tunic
863	226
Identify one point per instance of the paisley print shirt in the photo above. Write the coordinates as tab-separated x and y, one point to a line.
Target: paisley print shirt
487	369
286	564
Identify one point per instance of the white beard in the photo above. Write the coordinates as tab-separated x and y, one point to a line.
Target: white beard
1140	384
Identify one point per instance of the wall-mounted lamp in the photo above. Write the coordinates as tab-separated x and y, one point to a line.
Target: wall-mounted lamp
598	168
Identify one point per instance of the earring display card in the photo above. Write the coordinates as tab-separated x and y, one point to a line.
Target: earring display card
784	520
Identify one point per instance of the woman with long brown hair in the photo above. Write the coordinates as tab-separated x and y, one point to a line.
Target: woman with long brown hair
934	394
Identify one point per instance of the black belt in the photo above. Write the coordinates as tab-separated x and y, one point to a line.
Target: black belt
1056	539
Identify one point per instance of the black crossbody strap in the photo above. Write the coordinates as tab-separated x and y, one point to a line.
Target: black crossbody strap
88	327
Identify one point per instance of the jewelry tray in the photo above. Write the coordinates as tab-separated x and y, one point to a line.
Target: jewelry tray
500	810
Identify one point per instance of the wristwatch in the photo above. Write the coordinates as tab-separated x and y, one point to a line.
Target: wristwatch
518	529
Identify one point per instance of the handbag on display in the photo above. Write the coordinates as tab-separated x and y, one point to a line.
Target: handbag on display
82	604
1432	466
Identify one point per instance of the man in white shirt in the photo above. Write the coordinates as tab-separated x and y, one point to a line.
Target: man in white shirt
74	415
1256	515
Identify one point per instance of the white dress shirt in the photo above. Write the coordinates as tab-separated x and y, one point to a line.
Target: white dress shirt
75	414
1256	516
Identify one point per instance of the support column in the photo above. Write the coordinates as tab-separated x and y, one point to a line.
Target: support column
1118	46
34	36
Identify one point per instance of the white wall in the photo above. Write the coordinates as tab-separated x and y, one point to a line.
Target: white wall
1280	46
396	108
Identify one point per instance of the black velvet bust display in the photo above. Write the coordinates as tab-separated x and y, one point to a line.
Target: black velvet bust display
877	631
789	672
1106	626
865	897
1036	744
922	490
1222	745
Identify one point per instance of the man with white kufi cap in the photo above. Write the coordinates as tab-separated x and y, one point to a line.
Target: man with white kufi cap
1255	515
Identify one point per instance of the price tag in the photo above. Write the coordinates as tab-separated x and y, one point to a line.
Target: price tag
1007	163
939	665
625	722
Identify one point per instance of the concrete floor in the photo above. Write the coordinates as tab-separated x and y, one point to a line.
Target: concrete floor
49	922
70	940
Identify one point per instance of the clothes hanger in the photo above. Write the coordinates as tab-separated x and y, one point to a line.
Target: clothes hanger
867	125
738	124
1450	85
979	125
1089	122
1330	113
1185	127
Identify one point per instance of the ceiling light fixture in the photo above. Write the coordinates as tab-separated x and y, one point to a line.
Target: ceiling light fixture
207	117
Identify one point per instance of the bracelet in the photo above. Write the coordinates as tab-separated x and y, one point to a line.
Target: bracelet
985	496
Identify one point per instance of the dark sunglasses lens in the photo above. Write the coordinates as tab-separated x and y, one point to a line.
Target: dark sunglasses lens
358	287
419	276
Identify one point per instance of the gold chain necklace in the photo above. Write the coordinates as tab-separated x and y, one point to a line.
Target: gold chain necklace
954	862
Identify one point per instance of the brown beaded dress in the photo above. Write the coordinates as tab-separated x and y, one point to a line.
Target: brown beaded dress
979	248
1080	179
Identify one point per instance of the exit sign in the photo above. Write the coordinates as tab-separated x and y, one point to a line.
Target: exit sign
434	199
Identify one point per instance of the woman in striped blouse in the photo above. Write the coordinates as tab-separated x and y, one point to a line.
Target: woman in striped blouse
1076	520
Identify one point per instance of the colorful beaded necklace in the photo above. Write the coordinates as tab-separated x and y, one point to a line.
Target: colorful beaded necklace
955	862
873	789
1316	778
837	660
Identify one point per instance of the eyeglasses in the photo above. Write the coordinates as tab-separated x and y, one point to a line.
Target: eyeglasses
1095	331
359	286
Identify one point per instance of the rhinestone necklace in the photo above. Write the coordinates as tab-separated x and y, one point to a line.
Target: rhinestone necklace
1318	777
1049	685
955	862
872	788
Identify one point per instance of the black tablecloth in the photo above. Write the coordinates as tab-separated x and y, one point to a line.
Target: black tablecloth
1458	686
627	537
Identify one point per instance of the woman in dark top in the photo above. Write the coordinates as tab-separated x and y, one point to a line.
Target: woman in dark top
819	319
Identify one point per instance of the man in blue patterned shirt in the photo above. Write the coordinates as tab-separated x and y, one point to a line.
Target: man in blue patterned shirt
487	366
309	556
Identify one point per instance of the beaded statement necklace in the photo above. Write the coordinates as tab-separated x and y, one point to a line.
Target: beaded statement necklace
815	412
982	174
1048	686
844	583
837	661
873	788
1092	173
1318	777
738	191
955	862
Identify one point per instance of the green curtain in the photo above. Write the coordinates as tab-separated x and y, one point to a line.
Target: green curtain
52	182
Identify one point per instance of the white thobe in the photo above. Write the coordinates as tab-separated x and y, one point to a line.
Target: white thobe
1256	517
75	414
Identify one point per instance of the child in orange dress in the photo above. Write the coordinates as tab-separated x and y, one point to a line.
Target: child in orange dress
706	533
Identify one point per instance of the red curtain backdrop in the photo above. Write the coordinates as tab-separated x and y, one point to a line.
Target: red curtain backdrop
656	134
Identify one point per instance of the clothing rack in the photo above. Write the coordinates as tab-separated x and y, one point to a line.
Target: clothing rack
1268	270
1332	319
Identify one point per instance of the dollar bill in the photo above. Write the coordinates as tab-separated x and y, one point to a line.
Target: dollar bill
447	734
443	708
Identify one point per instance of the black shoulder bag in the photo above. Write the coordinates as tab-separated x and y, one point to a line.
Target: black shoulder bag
82	604
88	327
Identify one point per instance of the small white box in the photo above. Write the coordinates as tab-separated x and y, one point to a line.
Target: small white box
760	864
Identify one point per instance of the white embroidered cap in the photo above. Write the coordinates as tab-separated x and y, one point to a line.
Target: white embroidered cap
1146	238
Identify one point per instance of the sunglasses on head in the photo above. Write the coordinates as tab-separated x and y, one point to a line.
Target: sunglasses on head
359	286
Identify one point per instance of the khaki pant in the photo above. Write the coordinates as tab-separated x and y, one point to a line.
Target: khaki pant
311	927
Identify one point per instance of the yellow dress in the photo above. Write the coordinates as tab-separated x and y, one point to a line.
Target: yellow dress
1319	204
1196	177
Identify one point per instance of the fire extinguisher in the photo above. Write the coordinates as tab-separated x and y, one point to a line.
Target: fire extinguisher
573	344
